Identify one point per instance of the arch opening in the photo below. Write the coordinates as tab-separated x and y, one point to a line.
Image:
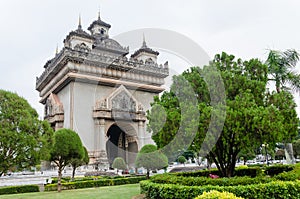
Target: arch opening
122	144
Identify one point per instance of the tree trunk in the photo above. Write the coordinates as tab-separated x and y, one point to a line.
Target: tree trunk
277	85
278	89
148	174
73	173
208	164
59	179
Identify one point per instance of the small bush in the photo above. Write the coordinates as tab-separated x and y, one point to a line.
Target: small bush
181	159
217	195
119	164
19	189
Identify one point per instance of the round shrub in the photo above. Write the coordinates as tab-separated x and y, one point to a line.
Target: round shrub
217	195
119	164
181	159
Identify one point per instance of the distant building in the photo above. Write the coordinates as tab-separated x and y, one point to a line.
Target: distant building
94	88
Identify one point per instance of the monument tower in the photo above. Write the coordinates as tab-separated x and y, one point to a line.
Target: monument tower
96	88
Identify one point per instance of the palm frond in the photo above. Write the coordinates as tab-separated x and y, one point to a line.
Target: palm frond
280	66
294	81
290	58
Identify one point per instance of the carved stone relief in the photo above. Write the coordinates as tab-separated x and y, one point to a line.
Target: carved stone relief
123	102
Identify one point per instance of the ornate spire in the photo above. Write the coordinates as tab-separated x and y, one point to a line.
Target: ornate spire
56	50
144	48
144	42
99	14
79	23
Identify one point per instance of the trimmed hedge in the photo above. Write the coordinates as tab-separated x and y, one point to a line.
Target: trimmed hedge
271	190
19	189
277	169
77	179
242	171
201	181
249	171
100	173
95	183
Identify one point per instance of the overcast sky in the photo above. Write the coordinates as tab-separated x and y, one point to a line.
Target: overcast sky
31	29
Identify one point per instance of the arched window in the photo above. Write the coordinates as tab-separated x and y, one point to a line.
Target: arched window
102	31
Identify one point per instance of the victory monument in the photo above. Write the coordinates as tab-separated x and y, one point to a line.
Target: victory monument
94	87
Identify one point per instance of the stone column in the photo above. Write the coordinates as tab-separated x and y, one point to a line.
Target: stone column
100	144
102	137
141	134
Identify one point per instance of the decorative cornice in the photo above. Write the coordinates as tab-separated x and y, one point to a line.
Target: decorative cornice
100	23
110	45
101	65
80	33
62	81
120	115
146	50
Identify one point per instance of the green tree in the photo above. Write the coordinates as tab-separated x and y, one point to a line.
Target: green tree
246	154
296	148
252	115
67	146
150	158
24	138
181	159
77	162
189	154
119	164
284	102
281	67
279	155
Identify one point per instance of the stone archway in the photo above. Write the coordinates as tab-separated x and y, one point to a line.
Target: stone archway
121	143
120	127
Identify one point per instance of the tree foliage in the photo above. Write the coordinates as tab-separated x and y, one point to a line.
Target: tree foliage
150	158
67	147
119	164
77	162
281	67
181	159
24	138
296	148
279	155
246	154
253	115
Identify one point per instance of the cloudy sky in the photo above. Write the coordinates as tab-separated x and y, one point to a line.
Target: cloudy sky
31	29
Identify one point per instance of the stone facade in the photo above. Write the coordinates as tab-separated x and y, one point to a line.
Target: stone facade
92	87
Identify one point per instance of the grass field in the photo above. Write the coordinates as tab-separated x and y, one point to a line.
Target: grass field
110	192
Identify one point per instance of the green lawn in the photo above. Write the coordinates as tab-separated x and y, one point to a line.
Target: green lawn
110	192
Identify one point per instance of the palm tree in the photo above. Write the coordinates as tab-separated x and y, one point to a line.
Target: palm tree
281	67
